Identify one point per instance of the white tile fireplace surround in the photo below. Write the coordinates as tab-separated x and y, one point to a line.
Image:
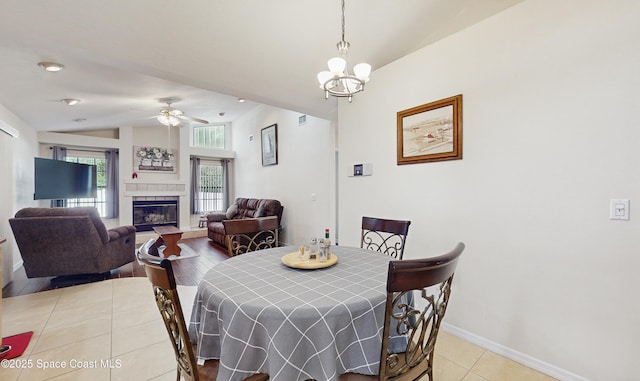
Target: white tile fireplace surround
161	189
158	189
155	188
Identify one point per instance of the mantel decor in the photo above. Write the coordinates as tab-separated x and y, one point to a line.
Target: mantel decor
154	159
270	145
430	132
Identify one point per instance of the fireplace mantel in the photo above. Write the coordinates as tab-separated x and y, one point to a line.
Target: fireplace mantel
155	188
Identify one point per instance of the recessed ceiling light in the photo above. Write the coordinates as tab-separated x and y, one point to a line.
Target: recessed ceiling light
240	100
71	101
221	113
79	120
51	66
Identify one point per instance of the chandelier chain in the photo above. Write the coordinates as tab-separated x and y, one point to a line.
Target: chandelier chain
342	20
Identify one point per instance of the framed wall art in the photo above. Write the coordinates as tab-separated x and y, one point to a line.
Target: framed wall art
430	132
154	159
270	145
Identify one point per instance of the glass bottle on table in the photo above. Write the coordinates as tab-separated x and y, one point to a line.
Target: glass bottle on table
322	253
313	248
327	244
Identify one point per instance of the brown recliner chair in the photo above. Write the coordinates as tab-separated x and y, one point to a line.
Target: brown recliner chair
70	241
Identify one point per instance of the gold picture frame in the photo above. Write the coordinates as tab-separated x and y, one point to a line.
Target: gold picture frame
430	132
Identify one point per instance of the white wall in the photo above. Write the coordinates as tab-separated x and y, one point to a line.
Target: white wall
16	191
305	167
551	132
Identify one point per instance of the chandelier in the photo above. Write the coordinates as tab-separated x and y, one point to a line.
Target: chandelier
337	81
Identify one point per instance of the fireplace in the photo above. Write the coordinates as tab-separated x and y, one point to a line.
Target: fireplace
150	213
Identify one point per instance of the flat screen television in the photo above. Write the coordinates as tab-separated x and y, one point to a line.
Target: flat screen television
57	179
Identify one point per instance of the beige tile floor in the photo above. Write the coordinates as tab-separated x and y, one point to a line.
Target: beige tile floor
111	330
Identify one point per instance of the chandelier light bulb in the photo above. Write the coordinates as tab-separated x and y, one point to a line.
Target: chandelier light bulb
323	77
337	65
362	71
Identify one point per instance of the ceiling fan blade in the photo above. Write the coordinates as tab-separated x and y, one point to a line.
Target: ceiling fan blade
190	118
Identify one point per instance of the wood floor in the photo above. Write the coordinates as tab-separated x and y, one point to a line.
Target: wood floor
188	271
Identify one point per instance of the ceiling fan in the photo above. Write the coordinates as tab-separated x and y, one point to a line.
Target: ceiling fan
170	116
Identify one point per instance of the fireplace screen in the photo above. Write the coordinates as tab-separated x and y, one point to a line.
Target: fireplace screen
147	214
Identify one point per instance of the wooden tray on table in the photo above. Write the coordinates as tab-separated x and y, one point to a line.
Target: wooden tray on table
292	260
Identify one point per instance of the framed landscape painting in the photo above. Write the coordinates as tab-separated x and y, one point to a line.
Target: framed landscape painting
430	132
270	145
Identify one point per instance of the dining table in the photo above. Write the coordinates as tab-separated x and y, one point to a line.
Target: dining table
257	315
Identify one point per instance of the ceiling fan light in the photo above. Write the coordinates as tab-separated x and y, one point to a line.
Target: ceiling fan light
337	65
362	71
162	118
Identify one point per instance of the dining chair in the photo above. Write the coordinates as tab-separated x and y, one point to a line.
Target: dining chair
420	321
160	273
386	236
251	234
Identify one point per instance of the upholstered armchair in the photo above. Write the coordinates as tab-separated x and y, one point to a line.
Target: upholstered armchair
70	241
240	209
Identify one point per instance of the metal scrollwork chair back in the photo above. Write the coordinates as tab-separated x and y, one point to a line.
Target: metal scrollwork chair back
251	234
419	322
383	235
432	278
160	274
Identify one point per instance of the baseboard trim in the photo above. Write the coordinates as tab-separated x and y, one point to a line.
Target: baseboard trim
16	266
519	357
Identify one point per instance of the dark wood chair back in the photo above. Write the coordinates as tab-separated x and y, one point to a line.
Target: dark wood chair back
160	274
251	234
386	236
432	278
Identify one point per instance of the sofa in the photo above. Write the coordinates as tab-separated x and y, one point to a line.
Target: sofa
241	208
70	241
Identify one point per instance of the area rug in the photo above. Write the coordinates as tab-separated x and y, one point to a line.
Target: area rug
186	252
18	344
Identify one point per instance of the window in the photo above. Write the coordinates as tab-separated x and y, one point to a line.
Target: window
210	195
209	136
97	159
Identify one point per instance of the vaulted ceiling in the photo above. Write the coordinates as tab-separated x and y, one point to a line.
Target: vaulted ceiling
123	57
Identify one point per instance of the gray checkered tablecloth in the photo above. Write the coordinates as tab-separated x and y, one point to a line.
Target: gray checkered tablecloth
258	316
